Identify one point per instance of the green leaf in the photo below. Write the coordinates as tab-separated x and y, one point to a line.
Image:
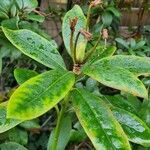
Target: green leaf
91	84
19	136
107	18
27	5
114	11
136	130
76	11
30	124
3	15
135	64
35	46
37	18
109	51
77	133
22	75
11	23
11	146
140	45
64	135
101	52
5	6
13	10
116	77
122	102
39	94
122	42
0	65
145	112
6	124
98	121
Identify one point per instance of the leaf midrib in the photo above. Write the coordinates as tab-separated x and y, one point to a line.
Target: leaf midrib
48	65
97	120
37	96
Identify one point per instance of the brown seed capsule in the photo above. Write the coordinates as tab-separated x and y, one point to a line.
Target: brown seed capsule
77	69
73	23
86	34
95	3
105	34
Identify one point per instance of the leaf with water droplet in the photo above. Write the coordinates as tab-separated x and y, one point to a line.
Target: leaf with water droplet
116	77
136	130
135	64
6	124
98	121
39	94
36	47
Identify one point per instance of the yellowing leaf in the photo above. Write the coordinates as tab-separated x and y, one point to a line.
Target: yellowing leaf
39	94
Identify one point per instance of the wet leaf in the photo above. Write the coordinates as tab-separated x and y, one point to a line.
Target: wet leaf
98	121
122	102
135	64
22	75
27	5
39	94
64	135
136	130
76	11
11	146
6	124
117	78
36	47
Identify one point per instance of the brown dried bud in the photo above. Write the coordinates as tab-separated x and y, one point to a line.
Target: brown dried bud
95	3
86	34
105	34
77	69
73	23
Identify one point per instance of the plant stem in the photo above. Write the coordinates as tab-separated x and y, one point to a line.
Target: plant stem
72	45
59	120
92	50
88	18
75	47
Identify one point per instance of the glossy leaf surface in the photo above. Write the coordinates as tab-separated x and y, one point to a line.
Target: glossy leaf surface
27	5
135	64
101	52
35	46
39	94
5	6
109	51
6	124
76	11
136	130
22	75
98	122
122	102
117	78
64	135
11	146
145	112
